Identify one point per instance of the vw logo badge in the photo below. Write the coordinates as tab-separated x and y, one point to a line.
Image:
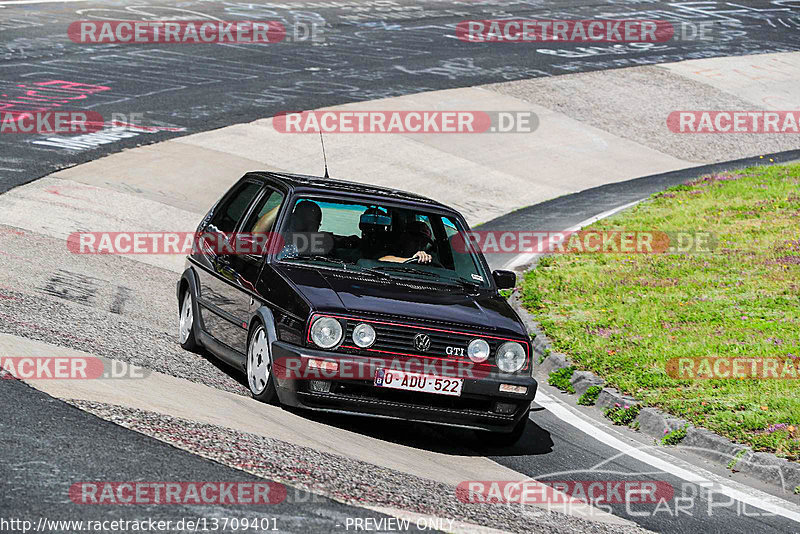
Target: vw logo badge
422	342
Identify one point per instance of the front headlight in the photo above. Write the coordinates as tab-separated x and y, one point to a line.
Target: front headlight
326	332
478	350
363	335
510	357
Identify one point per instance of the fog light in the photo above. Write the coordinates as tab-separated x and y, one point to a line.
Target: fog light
364	335
504	408
325	365
510	388
320	386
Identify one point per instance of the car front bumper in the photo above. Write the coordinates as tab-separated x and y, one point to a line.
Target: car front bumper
480	405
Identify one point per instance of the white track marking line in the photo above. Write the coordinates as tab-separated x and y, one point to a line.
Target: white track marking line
528	257
21	2
697	475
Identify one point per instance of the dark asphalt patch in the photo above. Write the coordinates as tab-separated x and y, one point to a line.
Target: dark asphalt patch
49	445
369	50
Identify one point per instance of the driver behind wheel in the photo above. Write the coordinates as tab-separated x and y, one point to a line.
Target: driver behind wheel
413	244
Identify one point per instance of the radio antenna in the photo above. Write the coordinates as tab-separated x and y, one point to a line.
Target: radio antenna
324	158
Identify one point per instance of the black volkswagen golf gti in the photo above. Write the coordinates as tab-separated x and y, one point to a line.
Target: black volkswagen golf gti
344	297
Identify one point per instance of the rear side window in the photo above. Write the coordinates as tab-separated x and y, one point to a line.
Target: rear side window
263	218
234	207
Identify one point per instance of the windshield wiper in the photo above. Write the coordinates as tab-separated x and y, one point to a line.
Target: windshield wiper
467	284
319	258
463	283
408	270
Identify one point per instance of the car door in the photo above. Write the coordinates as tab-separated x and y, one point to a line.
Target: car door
243	265
221	290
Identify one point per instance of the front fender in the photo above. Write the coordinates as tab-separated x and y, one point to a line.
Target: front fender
193	284
265	317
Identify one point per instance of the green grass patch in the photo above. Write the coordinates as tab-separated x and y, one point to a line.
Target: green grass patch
544	355
736	458
674	437
589	398
623	415
624	316
560	379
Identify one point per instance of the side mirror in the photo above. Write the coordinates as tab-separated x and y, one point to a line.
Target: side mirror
505	279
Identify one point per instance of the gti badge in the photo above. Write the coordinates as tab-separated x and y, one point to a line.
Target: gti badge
422	342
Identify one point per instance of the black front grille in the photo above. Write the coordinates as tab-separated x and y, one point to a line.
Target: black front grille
399	339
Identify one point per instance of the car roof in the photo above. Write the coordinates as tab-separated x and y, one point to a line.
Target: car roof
306	183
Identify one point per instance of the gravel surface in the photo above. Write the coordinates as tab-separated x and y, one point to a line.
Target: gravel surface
106	305
634	103
343	479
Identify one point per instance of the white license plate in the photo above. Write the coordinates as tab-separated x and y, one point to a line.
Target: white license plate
389	378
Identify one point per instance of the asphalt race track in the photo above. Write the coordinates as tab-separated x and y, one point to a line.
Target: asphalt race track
40	464
379	50
362	51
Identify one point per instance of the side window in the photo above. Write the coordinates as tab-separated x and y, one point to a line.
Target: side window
229	213
262	220
462	261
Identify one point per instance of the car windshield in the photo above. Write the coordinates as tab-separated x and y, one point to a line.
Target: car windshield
388	241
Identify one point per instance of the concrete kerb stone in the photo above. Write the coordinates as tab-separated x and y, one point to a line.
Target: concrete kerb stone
712	446
769	468
583	380
610	398
657	424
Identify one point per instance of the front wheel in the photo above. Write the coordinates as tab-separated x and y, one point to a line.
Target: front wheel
259	367
186	324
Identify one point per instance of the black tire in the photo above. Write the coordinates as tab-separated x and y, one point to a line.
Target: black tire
261	390
187	305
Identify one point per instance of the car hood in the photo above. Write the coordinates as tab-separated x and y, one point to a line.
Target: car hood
336	291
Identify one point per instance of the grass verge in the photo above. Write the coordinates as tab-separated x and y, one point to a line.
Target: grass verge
625	316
